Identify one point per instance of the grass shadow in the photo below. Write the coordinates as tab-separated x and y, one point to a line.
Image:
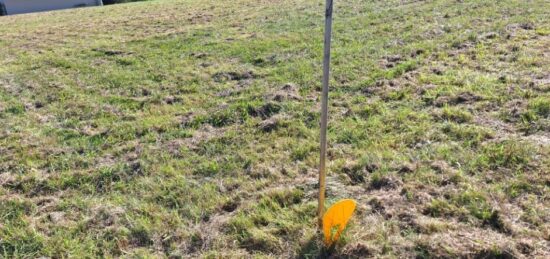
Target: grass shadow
314	248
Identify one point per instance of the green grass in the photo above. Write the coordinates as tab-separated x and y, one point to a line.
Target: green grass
187	128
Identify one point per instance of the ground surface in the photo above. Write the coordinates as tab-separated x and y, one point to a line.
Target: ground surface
190	128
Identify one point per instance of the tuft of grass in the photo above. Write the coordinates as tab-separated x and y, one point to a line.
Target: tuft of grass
440	208
276	213
540	106
455	114
466	205
475	203
470	135
508	154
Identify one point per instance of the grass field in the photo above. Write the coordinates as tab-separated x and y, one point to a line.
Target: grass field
189	128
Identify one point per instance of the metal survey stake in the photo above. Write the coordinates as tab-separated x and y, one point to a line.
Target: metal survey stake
324	111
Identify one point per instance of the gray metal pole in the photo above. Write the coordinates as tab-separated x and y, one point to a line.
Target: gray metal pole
324	111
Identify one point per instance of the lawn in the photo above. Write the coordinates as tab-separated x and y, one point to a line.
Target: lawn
190	128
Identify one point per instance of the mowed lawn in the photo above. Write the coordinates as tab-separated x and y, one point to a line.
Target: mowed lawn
190	128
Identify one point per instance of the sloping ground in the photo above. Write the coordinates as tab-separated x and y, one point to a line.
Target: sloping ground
190	128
